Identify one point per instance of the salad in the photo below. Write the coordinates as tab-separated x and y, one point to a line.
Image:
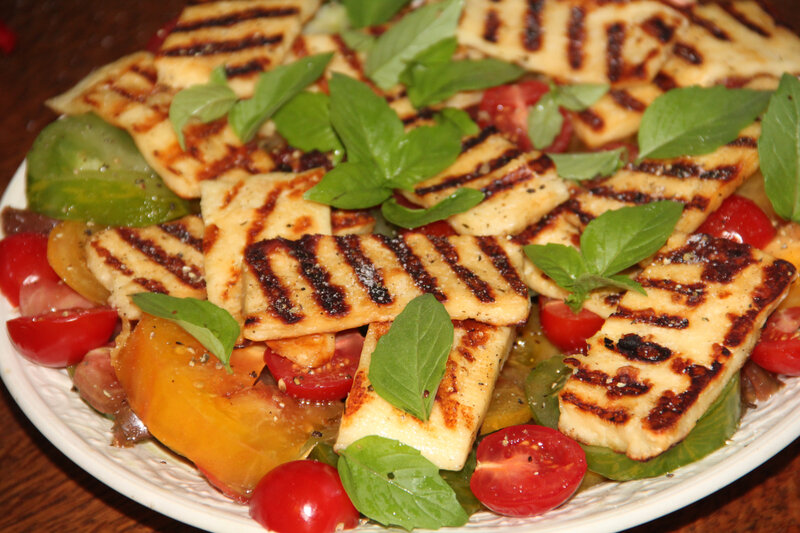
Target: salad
48	196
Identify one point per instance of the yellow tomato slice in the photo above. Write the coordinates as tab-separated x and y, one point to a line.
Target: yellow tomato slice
66	254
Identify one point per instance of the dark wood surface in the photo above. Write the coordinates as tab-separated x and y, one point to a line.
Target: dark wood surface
40	489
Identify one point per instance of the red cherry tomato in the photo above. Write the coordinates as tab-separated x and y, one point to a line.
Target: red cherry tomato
23	259
506	106
61	338
527	470
778	350
8	38
331	381
440	228
158	38
567	330
302	497
739	219
45	296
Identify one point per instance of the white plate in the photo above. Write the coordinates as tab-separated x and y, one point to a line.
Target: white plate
147	474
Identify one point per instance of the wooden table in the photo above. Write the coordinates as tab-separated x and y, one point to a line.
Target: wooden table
42	490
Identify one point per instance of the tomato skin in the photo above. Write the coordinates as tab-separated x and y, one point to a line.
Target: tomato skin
154	44
526	470
567	330
739	219
61	338
331	381
46	296
778	350
302	497
23	259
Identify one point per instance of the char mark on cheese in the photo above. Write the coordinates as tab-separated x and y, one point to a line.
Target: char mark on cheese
532	33
627	196
480	170
527	235
477	140
343	220
245	69
330	297
721	259
150	285
280	304
262	214
624	383
148	74
368	276
188	274
742	19
744	142
649	316
413	266
501	262
688	53
657	28
627	101
576	37
521	174
634	348
591	119
426	113
614	416
480	288
706	24
210	236
690	294
670	407
209	48
232	19
665	82
491	25
615	64
181	232
235	157
140	98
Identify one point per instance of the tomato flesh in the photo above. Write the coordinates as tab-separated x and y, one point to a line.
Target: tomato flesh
739	219
23	259
303	497
331	381
46	296
567	330
778	350
526	470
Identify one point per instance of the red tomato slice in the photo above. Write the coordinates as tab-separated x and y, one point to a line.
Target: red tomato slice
527	470
23	259
331	381
778	350
739	219
62	338
506	106
567	330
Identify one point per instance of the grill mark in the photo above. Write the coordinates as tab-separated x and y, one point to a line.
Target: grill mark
480	289
665	82
527	235
231	194
188	274
532	32
649	316
688	53
692	294
591	119
519	175
452	411
146	73
236	157
413	266
280	304
480	138
627	101
742	19
658	29
626	196
634	348
481	169
222	47
624	383
708	25
151	285
343	220
722	259
368	276
244	70
577	35
140	98
210	236
331	298
618	416
180	231
490	247
744	142
685	169
615	35
232	19
490	26
350	57
670	406
721	173
425	113
262	214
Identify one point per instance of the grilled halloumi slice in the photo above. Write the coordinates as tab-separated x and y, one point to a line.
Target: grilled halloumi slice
246	37
351	222
661	360
165	258
323	284
126	95
519	187
575	41
462	400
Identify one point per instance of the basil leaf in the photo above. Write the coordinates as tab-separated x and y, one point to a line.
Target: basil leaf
211	325
359	41
323	452
459	119
218	77
542	386
305	123
350	186
696	120
779	149
415	33
589	165
423	152
273	89
461	200
544	121
409	360
437	54
430	85
206	102
459	482
581	96
563	264
393	484
364	13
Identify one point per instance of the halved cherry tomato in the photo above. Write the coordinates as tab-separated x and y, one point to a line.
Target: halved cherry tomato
23	258
61	338
303	497
567	330
527	470
778	350
331	381
46	296
739	219
506	106
440	228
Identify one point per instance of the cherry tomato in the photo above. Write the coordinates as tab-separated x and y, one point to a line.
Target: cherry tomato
45	296
331	381
527	470
8	38
440	228
778	350
739	219
154	44
302	497
23	259
567	330
506	106
61	338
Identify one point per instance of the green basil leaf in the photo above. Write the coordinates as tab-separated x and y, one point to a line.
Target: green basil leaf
211	325
415	33
423	152
459	482
696	120
350	186
273	89
305	123
437	54
563	264
358	40
542	386
393	484
205	102
621	238
82	168
779	149
589	165
458	118
581	96
218	77
430	85
544	121
409	360
323	452
364	13
461	200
